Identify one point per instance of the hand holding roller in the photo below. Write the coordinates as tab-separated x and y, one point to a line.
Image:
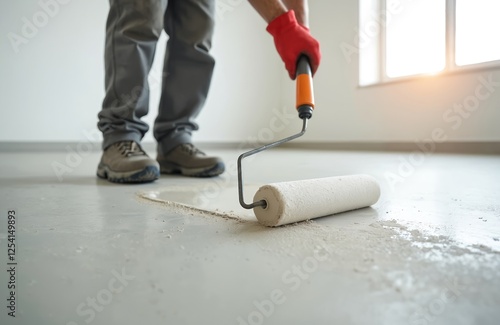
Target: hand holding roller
292	40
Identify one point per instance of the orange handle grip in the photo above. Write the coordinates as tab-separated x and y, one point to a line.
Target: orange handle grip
305	91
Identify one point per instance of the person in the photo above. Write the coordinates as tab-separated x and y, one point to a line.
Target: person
133	28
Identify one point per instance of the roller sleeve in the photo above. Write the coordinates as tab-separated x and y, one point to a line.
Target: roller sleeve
290	202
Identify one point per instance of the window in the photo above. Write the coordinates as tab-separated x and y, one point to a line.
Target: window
402	38
477	31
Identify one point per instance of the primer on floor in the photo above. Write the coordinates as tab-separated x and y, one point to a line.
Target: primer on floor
92	252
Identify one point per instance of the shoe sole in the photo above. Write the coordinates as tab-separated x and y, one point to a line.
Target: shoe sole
170	168
146	175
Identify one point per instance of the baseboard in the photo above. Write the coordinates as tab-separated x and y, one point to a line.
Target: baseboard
49	146
490	148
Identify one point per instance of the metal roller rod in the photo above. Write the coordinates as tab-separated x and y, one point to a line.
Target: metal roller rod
262	203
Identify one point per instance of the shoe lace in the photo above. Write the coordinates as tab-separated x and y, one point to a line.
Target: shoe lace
130	148
190	149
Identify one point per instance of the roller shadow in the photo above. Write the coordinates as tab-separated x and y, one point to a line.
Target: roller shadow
355	217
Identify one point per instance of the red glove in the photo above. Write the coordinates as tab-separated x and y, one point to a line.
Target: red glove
292	40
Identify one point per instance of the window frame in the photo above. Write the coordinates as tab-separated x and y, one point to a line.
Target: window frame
450	38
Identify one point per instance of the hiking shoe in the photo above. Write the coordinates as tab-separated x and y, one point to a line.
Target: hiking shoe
126	162
187	160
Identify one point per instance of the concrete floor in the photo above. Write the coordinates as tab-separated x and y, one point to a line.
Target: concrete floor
91	252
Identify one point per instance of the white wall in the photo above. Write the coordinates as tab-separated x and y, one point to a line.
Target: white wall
403	111
52	88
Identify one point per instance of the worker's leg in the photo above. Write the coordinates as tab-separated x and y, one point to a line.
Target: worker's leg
187	75
188	70
132	31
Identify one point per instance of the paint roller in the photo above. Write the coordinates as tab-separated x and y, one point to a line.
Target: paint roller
283	203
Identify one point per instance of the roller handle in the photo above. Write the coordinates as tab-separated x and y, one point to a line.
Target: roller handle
305	91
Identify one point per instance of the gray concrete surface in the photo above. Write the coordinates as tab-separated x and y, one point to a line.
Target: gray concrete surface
92	252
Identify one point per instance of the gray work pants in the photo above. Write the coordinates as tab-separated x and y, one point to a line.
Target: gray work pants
132	31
